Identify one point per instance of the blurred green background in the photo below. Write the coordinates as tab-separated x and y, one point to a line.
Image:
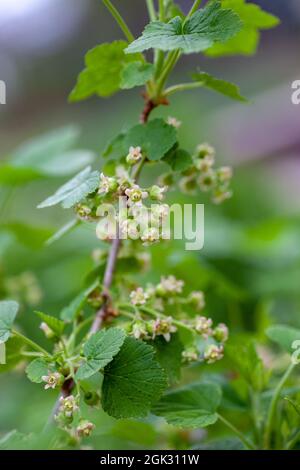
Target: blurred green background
250	264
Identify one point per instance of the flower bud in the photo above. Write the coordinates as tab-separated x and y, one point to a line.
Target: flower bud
157	193
172	121
190	355
205	164
134	155
221	333
196	299
150	236
83	212
91	398
220	195
139	330
107	184
47	330
224	174
85	428
95	299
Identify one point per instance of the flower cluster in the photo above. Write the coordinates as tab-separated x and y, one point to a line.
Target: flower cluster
203	174
161	301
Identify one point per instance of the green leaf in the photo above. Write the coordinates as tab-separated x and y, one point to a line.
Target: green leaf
44	147
172	9
205	27
99	351
56	325
36	369
32	237
67	163
284	335
16	176
115	148
155	138
83	184
247	40
193	406
102	75
50	154
71	311
8	313
248	364
221	86
138	432
13	356
136	74
133	381
168	354
178	159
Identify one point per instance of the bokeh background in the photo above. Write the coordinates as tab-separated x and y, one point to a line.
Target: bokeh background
250	265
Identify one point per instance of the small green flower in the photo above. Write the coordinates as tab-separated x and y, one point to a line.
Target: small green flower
190	355
53	380
203	326
220	195
213	353
188	184
172	121
136	194
68	406
196	299
224	174
139	296
221	333
107	184
164	327
157	192
169	286
134	155
150	236
85	428
207	181
204	150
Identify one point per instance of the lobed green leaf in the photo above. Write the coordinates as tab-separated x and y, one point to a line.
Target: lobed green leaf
284	336
247	40
133	381
136	74
8	313
99	351
102	75
193	406
205	27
